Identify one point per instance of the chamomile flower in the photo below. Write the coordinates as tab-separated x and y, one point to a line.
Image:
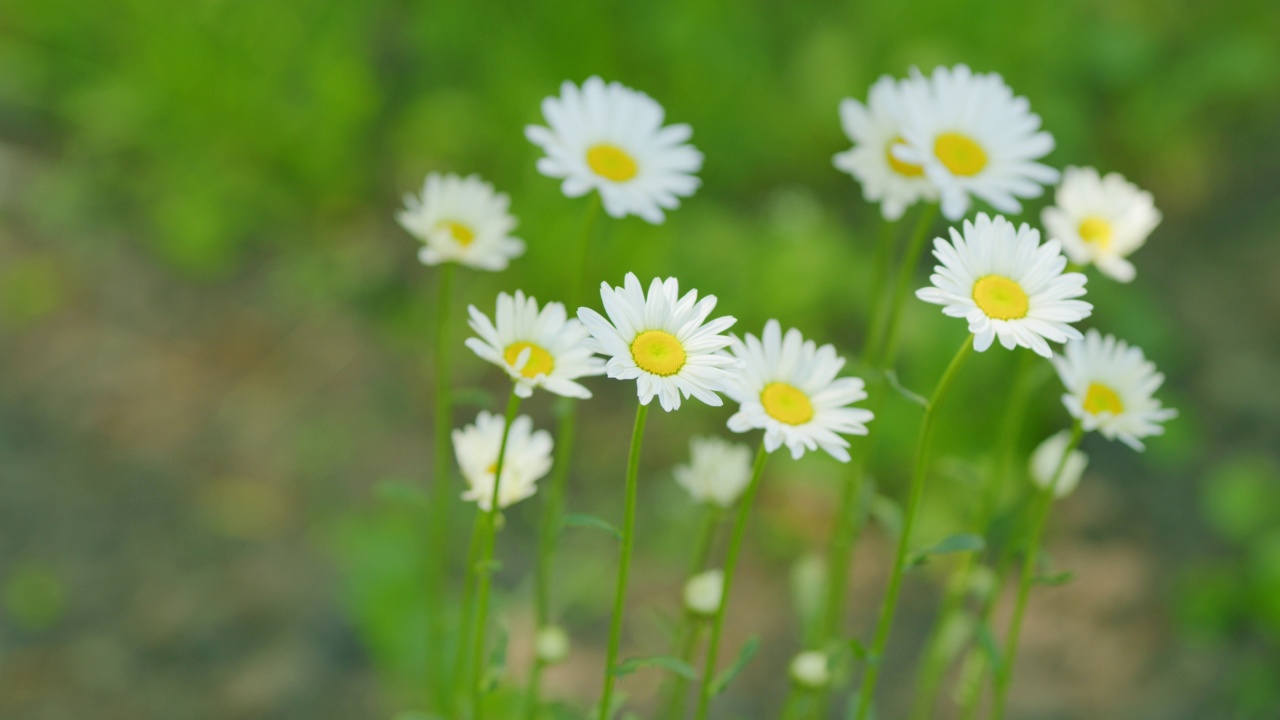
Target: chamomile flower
1101	220
1045	460
875	129
461	220
973	137
1111	388
718	471
527	459
662	341
789	388
610	138
537	348
1006	285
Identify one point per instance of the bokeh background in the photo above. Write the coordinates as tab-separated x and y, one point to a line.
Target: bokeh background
214	340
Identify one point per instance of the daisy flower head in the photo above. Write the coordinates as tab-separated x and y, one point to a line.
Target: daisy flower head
610	138
876	129
1111	389
461	220
1045	460
1007	285
718	471
1101	220
527	459
973	138
537	348
788	387
661	340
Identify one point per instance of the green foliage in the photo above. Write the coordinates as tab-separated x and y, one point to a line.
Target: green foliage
666	662
34	595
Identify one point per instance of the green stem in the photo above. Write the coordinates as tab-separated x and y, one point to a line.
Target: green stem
924	221
624	560
887	610
730	566
1040	514
690	627
457	673
442	488
879	278
485	569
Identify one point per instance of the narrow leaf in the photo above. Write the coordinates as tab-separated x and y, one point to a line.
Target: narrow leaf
892	376
1061	578
394	491
591	521
747	652
888	514
474	397
960	542
666	662
988	643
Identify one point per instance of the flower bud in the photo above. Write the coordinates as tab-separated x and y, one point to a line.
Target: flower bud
809	670
552	644
1045	461
703	592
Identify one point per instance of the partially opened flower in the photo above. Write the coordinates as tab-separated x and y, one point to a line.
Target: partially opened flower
973	137
1101	220
788	387
1111	389
718	471
876	129
610	138
537	348
1007	285
662	341
1047	459
527	459
461	220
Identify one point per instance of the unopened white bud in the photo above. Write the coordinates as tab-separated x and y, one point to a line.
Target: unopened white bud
552	644
703	592
809	670
1045	461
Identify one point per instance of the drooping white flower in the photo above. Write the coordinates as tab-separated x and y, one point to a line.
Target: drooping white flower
661	340
461	220
610	138
526	460
1111	389
788	387
703	593
1044	464
1006	285
1101	220
536	348
809	670
718	471
973	138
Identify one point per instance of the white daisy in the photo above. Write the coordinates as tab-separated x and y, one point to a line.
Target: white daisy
461	220
1007	285
718	471
1044	463
973	137
660	341
610	138
789	388
875	129
1101	220
527	459
1111	387
536	348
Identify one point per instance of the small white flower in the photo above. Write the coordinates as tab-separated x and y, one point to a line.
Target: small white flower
552	644
1007	285
718	471
1044	463
1111	389
610	138
809	670
703	592
875	129
536	348
662	341
527	459
973	138
461	220
1101	220
788	387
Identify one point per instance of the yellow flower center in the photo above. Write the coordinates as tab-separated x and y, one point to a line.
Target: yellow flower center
902	168
1096	231
611	162
540	361
658	352
1099	399
463	234
786	403
960	153
1000	298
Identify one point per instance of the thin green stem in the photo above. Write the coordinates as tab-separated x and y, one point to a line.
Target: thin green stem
457	673
890	606
879	279
1039	517
624	560
485	569
691	626
442	487
730	566
906	271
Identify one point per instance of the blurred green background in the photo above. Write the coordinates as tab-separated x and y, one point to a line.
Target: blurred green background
214	340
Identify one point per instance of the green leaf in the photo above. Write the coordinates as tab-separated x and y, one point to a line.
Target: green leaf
591	521
748	651
666	662
987	641
888	514
474	397
892	376
960	542
1061	578
395	491
497	661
